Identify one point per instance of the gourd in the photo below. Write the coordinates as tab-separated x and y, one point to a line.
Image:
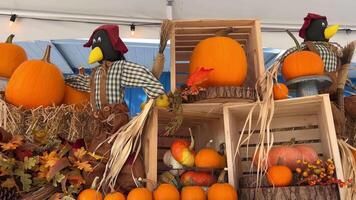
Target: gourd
193	193
183	152
280	91
166	192
279	176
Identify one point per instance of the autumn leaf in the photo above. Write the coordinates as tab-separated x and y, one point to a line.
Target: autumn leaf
85	166
57	179
80	153
49	160
29	163
42	173
25	179
15	142
8	183
76	180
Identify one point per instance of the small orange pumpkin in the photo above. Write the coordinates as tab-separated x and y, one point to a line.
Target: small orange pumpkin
36	83
193	193
115	196
140	193
301	63
73	96
279	176
220	191
11	56
209	158
90	194
280	91
223	54
166	192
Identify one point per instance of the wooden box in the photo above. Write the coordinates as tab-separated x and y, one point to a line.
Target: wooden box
205	120
187	34
307	119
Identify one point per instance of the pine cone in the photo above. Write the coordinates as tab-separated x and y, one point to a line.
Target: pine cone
9	194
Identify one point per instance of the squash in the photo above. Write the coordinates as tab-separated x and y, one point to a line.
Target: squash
166	192
36	83
220	191
279	176
280	91
91	193
193	193
223	54
288	155
169	161
140	193
11	56
209	158
301	63
191	178
115	196
183	152
73	96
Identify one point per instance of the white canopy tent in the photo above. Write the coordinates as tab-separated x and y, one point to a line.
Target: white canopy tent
68	19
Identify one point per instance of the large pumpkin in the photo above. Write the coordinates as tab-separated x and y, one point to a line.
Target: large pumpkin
302	63
140	193
193	193
220	191
225	56
73	96
166	192
11	56
36	83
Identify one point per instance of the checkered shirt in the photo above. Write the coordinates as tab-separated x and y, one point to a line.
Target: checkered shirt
327	54
120	75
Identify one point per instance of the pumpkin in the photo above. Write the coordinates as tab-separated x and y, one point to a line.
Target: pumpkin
36	83
280	91
220	191
209	158
289	154
90	194
73	96
115	196
193	193
301	63
191	178
183	152
279	176
225	56
166	192
11	56
140	193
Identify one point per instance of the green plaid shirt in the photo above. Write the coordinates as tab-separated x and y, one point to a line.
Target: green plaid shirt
120	75
329	53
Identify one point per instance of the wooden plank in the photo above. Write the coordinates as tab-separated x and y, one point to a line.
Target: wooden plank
173	61
182	78
199	37
183	56
150	149
182	68
210	30
189	43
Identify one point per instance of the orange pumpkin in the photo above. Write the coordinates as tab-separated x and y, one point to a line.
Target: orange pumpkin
140	193
11	56
193	193
220	191
280	91
115	196
209	158
225	56
279	176
90	194
73	96
36	83
166	192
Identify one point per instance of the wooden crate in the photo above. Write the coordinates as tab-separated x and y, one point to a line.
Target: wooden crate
308	120
205	120
187	34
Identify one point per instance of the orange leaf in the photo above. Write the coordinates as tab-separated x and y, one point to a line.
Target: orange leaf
80	153
15	142
83	166
49	160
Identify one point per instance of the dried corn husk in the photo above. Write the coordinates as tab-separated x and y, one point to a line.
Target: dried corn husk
349	167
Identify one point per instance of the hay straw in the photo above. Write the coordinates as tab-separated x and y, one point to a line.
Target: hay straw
265	109
349	167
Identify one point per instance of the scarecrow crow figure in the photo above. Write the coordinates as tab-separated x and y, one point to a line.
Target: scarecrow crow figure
317	34
106	85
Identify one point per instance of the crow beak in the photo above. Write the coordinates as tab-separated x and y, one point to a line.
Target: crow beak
331	31
96	55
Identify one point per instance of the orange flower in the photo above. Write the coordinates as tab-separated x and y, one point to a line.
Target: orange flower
83	166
